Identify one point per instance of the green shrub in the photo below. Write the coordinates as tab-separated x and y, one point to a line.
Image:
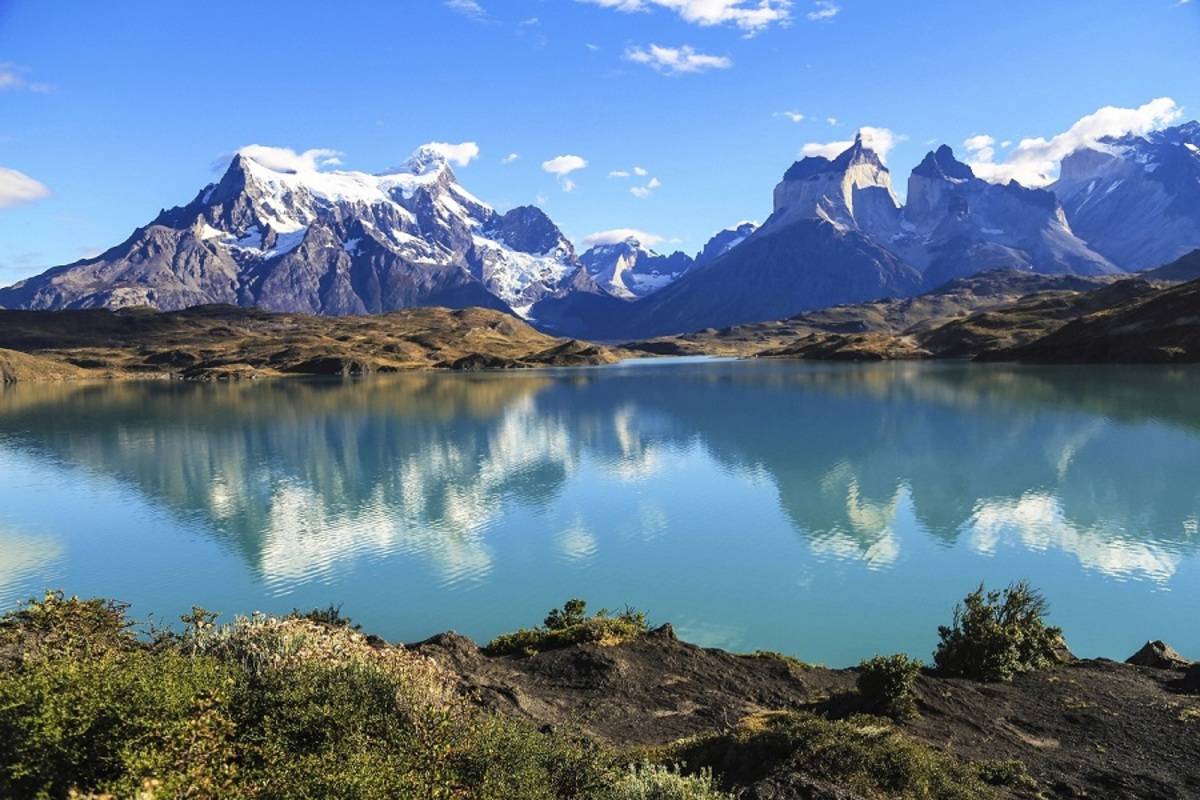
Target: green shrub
864	755
330	615
658	782
573	612
886	683
260	707
996	635
570	625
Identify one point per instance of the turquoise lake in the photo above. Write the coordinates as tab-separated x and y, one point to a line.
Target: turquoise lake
826	511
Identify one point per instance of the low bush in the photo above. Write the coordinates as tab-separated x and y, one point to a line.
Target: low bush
659	782
885	684
864	755
571	625
996	635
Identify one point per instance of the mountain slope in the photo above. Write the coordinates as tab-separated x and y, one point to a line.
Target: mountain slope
956	225
321	242
776	273
1136	199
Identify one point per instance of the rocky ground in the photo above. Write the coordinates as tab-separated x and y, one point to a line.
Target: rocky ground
996	316
218	342
1085	728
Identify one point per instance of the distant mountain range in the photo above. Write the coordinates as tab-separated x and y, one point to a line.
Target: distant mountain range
338	243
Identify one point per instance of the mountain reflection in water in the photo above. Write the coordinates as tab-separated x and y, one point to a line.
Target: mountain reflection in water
647	475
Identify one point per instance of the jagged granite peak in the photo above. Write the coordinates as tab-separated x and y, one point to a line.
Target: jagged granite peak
294	237
852	191
628	269
724	241
529	230
1136	199
956	224
941	164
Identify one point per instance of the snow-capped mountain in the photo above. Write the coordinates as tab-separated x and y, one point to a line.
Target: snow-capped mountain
1136	199
326	242
628	269
956	224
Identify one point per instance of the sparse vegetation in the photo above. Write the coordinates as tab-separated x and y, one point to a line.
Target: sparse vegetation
571	625
998	634
886	683
659	782
863	754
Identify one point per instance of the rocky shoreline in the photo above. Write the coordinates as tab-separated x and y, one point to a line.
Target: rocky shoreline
1081	728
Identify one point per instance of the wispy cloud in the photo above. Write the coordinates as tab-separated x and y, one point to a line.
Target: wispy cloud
14	77
1035	161
794	116
510	158
750	16
647	190
17	187
468	8
823	11
676	60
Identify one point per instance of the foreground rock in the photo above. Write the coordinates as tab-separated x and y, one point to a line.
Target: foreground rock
1088	728
224	342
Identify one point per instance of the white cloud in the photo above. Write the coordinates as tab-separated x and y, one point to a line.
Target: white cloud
832	120
617	235
562	166
468	8
619	173
751	16
881	140
645	191
461	154
510	158
595	48
12	78
284	159
676	60
1034	162
794	116
17	187
640	171
824	11
981	147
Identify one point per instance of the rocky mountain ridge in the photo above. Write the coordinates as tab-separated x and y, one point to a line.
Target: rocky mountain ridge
341	243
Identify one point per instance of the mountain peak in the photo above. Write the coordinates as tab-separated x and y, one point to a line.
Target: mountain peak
942	165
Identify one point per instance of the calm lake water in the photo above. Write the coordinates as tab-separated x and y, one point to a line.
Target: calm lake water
827	511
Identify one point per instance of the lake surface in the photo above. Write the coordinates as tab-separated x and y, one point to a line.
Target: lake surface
827	511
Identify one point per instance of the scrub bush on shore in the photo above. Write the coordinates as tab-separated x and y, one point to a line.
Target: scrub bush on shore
260	707
997	635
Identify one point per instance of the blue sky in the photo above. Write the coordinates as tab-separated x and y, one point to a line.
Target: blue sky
111	111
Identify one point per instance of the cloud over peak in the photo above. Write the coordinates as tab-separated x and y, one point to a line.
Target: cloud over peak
284	159
618	235
881	140
1035	161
